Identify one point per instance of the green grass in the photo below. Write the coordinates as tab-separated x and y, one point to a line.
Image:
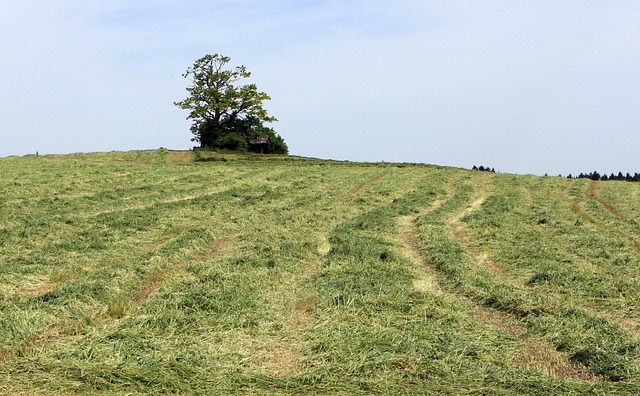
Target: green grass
158	272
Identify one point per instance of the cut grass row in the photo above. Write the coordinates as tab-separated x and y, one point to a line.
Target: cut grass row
276	275
569	290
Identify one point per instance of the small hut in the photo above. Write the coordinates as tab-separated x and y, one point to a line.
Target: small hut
259	144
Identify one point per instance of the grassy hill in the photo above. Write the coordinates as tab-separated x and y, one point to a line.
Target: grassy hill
165	272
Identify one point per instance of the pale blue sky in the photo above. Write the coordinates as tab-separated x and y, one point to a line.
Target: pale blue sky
532	86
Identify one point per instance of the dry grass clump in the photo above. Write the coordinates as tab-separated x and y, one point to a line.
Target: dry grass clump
539	355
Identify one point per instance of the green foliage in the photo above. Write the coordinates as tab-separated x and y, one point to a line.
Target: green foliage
231	141
276	144
225	114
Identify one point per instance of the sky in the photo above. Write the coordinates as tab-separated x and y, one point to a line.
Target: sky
529	86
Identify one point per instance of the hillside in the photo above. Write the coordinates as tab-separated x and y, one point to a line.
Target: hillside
150	272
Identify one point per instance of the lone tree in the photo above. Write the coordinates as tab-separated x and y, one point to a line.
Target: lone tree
226	114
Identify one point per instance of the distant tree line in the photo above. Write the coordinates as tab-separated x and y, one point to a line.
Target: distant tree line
597	176
483	169
591	175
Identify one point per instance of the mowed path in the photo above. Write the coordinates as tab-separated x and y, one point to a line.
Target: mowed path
65	331
535	352
524	298
322	278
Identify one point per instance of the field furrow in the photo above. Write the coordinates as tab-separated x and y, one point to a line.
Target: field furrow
180	273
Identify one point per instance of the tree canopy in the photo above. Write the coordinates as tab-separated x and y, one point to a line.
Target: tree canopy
226	114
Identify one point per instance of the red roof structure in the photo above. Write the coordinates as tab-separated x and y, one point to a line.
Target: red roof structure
262	139
258	144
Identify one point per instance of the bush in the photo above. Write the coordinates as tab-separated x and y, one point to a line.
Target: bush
235	135
231	141
276	145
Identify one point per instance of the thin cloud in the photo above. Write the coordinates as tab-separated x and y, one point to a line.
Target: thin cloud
528	87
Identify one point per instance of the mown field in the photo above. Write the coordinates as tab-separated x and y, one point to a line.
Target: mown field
153	272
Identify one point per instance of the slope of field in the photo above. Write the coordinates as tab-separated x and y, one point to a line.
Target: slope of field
150	272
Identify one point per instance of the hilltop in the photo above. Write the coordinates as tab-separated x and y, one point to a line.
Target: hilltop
155	272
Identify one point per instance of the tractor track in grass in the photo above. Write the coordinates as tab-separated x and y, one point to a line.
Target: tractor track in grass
456	226
50	285
147	288
629	324
151	284
408	240
428	279
47	286
354	191
537	353
191	197
284	358
592	194
73	214
561	192
331	186
360	186
493	318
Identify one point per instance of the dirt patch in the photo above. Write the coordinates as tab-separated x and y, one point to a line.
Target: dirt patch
360	186
582	214
593	194
351	192
283	361
631	325
149	286
539	355
40	289
152	283
181	157
502	323
310	267
6	355
303	310
561	193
